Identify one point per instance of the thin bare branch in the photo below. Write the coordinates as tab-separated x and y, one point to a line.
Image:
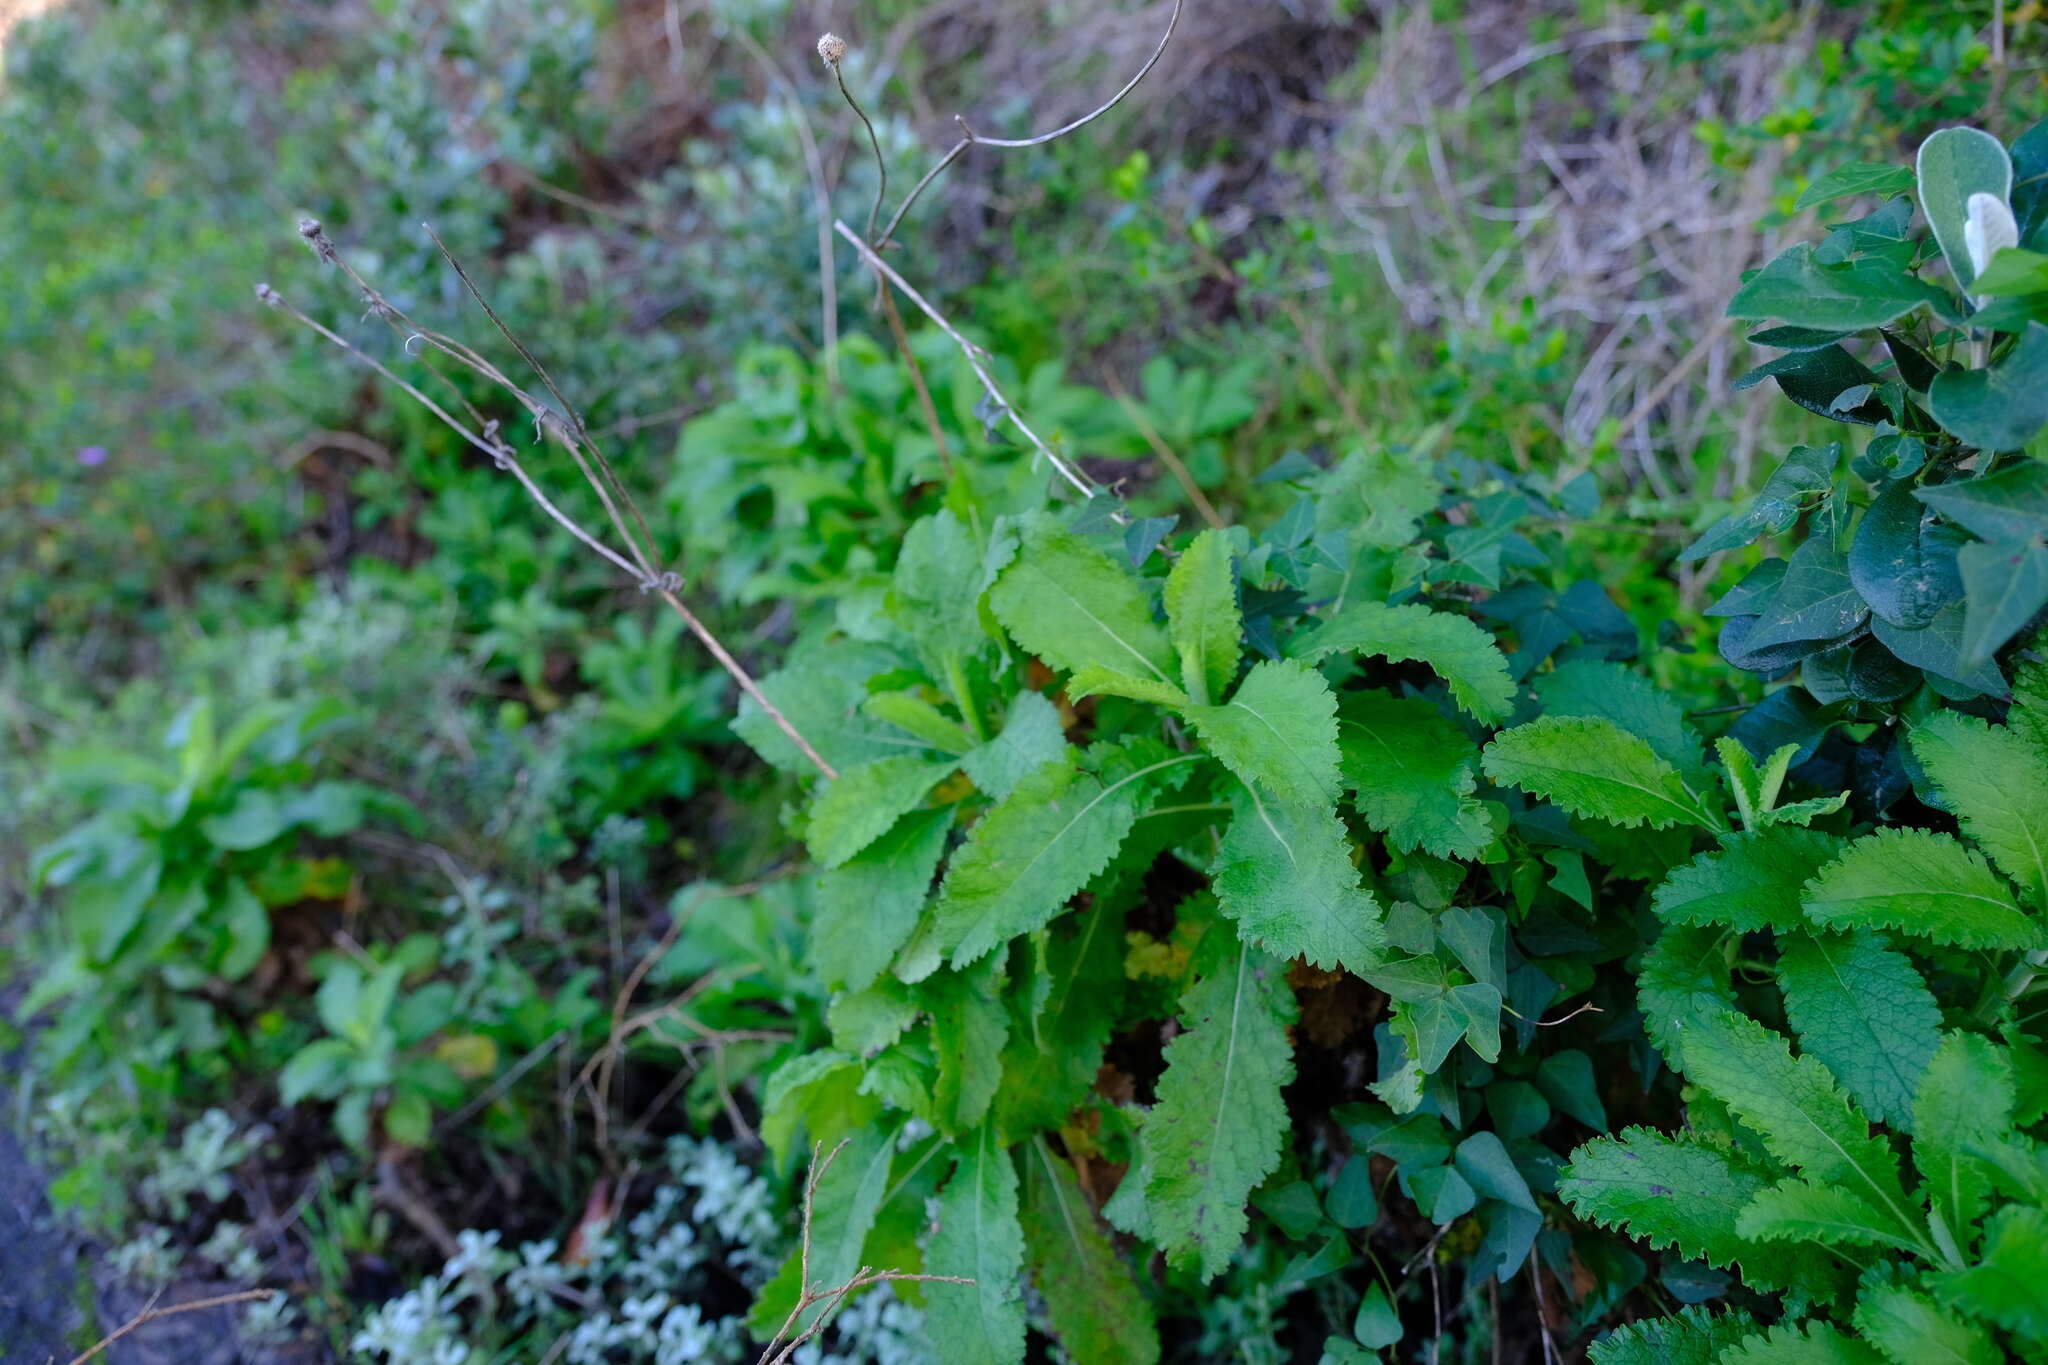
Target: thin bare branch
151	1313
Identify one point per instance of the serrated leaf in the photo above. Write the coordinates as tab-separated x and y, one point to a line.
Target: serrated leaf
821	694
1202	617
1965	1103
1031	737
1455	649
1919	883
858	807
1038	846
969	1025
1806	471
1691	1336
2005	1285
1806	1343
1071	605
1797	288
1097	1310
1805	1210
1217	1128
1285	875
1952	165
1095	680
1861	1008
1591	767
2000	407
843	1209
1683	979
1412	771
1277	732
935	592
868	906
1910	1328
1996	785
1596	687
978	1238
1753	881
1054	1054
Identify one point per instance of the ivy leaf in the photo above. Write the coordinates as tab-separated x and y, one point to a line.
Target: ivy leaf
1038	846
1900	562
1806	1343
868	906
1054	1053
2005	584
1965	1103
1861	1008
2011	504
859	806
1593	768
2005	1284
1097	1310
2000	407
1455	649
1691	1336
1285	875
1202	617
1996	785
1278	731
1072	605
1217	1129
1952	165
1805	1210
1030	738
1807	471
1920	883
1797	289
1816	600
1413	773
969	1025
1911	1329
1938	648
979	1239
1753	881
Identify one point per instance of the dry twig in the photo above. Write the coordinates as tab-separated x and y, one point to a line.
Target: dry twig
150	1313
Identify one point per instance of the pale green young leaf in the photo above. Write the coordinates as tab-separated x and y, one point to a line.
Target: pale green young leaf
1614	692
1676	1192
1952	165
1793	1104
1910	1328
868	906
979	1239
854	809
918	719
1202	617
1965	1103
1217	1128
1861	1008
1055	1051
2006	1284
1285	875
1413	772
1920	883
1455	649
1098	1312
1591	768
1691	1336
1996	785
1072	605
969	1025
1808	1211
1032	851
866	1021
1754	792
848	1196
935	593
816	1094
1753	881
1684	978
1095	680
1278	731
1806	1343
1031	737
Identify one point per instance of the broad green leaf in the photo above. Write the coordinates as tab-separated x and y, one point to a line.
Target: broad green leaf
1484	1162
1683	979
1072	605
857	807
1954	164
1677	1192
1095	680
1377	1323
815	1092
1901	564
1596	687
1816	600
868	906
2010	504
1455	649
1285	875
256	818
1807	1343
1797	289
1806	1210
1792	1103
1278	732
2006	585
2001	407
918	718
2013	271
1691	1336
1413	772
820	693
1858	177
935	593
1938	648
979	1239
1920	883
1053	1054
1217	1128
1861	1008
2005	1285
864	1022
1965	1103
1806	473
1038	846
1097	1310
1752	883
1202	617
849	1194
1591	767
1030	738
1996	785
969	1025
1910	1328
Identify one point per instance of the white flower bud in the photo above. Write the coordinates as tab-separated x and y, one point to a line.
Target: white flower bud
1988	230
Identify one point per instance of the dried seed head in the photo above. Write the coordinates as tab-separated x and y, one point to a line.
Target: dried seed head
831	49
316	237
268	297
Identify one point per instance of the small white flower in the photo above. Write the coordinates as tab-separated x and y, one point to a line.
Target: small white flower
1988	230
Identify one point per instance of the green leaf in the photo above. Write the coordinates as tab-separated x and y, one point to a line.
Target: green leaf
935	593
1964	1105
969	1025
1413	772
1806	472
1484	1162
1031	738
1954	164
1202	617
820	693
1217	1129
1596	687
1752	883
256	818
1592	768
1285	875
1938	648
2013	271
1901	562
1097	1310
978	1238
1861	1008
1996	785
1095	680
1911	1329
1072	605
2006	585
1038	846
1807	1343
2002	407
2005	1285
910	712
1804	1210
1692	1336
860	805
1278	732
849	1195
1378	1323
868	906
1858	177
1816	600
1054	1053
1797	289
1455	649
1676	1192
2011	504
1920	883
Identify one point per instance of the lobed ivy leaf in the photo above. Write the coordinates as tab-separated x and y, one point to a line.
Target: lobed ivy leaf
1455	649
1278	731
1413	774
978	1238
1920	883
1593	768
1285	875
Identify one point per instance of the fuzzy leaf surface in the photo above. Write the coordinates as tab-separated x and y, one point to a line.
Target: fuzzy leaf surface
1285	875
1691	1336
1096	1307
1455	649
859	806
1591	767
1277	732
1860	1006
1072	605
1202	616
1753	881
1413	772
979	1238
1996	785
1910	1328
868	906
1920	883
